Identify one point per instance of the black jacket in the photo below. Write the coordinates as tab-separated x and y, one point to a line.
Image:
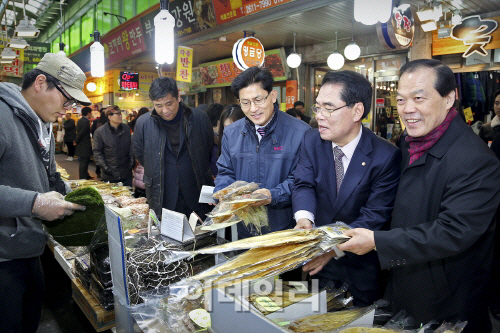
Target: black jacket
440	245
69	130
83	144
113	152
149	146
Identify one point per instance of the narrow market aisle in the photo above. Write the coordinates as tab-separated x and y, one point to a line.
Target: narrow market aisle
72	167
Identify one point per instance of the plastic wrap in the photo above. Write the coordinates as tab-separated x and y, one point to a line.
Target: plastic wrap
401	320
451	328
237	188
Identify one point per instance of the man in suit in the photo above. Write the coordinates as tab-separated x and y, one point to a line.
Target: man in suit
83	143
439	248
345	173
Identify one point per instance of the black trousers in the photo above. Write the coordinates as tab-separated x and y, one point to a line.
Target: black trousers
71	148
21	292
84	167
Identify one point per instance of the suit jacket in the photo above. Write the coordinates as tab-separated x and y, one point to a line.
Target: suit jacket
439	248
83	143
365	199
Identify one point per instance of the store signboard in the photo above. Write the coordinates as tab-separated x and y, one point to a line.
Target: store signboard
16	68
184	64
292	93
222	73
35	52
248	52
228	10
398	32
129	81
474	35
380	102
124	43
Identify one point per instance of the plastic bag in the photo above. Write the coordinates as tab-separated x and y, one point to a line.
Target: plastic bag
451	328
239	187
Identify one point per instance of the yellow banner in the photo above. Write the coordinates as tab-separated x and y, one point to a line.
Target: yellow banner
184	64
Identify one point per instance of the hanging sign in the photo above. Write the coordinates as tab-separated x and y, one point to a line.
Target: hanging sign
475	33
126	42
228	10
248	52
35	52
398	32
292	93
129	81
184	64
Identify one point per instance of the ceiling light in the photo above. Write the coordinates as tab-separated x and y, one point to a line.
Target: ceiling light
426	14
370	12
26	29
335	60
96	56
164	35
456	18
392	84
121	97
137	94
6	61
8	53
429	26
352	51
18	43
362	66
91	86
61	49
293	60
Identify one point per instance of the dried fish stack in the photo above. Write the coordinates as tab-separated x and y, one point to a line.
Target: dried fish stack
328	321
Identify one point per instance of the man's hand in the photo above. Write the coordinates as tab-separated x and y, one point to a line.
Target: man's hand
362	241
51	206
264	202
303	224
316	265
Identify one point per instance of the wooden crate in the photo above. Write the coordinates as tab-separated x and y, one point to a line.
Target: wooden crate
100	319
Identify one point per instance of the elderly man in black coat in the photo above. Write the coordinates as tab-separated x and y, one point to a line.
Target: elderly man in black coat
83	143
440	245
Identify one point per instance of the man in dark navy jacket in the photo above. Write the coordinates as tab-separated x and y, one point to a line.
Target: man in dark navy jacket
262	147
345	173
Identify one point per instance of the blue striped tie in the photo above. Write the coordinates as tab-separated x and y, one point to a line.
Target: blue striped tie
261	131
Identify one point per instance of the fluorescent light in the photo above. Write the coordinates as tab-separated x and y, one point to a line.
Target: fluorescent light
26	29
18	43
429	26
8	53
6	61
164	35
96	57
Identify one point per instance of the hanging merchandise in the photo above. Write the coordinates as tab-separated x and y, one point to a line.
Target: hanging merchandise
248	52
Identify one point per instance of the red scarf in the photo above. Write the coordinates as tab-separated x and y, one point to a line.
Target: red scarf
419	146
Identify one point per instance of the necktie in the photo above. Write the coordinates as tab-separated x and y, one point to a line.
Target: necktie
339	167
261	131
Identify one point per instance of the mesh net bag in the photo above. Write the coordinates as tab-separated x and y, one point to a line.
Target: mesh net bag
149	268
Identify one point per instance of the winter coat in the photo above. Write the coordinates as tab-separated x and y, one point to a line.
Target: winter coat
270	163
83	142
440	246
138	176
69	130
113	152
23	175
149	148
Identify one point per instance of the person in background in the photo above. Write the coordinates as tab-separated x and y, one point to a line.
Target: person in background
138	171
488	131
439	248
142	111
102	120
313	122
214	111
300	107
113	149
83	143
133	119
173	143
31	190
229	115
69	136
345	173
263	148
293	112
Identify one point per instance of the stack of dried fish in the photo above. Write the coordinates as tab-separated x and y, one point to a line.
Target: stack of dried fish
268	255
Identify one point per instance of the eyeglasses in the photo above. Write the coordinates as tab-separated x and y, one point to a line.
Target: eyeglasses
70	101
328	112
245	104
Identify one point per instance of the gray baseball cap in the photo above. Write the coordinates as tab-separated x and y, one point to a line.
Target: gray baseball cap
71	77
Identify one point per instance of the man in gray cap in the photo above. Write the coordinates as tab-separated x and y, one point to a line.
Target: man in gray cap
30	188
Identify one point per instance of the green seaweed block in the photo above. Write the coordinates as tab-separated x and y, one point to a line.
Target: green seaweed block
78	228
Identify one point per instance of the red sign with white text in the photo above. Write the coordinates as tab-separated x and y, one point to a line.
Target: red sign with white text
228	10
124	43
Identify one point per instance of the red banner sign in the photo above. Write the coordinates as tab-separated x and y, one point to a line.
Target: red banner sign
124	43
228	10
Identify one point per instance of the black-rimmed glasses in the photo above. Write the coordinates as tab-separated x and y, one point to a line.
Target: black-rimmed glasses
245	104
70	101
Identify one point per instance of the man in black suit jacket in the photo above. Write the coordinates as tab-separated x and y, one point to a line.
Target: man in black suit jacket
345	173
440	246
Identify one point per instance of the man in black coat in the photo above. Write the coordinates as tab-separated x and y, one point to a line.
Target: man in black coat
173	143
440	246
69	136
83	143
113	149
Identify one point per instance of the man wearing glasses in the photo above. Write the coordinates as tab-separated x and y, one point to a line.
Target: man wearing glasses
345	173
30	188
262	147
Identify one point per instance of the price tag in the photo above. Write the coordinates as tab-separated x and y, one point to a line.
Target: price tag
468	115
